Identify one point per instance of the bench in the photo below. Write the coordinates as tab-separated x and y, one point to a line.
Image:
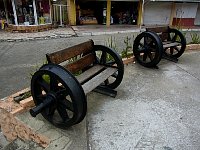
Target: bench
158	42
59	88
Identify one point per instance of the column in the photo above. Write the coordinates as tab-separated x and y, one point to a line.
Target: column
108	13
139	13
14	11
50	7
6	10
61	22
172	13
35	13
71	10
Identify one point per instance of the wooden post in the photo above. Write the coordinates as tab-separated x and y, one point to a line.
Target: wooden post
71	10
108	13
173	7
140	13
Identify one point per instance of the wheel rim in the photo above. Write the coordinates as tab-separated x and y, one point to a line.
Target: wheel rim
108	57
175	51
147	49
69	105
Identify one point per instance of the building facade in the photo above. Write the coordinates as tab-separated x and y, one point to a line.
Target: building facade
37	13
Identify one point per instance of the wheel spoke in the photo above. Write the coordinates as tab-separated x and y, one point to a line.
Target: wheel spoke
41	96
141	44
62	112
151	49
115	75
44	84
145	57
145	41
106	82
150	55
111	63
171	50
139	51
67	104
53	83
62	91
103	58
151	43
175	37
176	48
50	111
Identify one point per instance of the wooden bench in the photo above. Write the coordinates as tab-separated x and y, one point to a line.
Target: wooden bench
60	87
159	42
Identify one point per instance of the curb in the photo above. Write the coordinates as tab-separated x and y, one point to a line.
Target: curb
38	38
193	47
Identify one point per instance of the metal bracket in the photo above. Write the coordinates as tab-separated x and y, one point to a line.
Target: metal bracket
170	58
105	91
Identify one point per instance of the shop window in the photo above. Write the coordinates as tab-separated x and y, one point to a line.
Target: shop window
24	11
43	10
90	12
6	12
124	12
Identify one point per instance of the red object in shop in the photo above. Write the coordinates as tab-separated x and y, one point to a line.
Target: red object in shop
183	21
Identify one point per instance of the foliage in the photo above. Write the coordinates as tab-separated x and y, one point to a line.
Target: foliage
111	42
22	96
126	52
195	38
37	67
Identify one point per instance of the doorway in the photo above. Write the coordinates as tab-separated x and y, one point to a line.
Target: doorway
60	14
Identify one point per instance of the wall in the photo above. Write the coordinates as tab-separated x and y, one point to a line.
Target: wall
157	13
186	10
197	19
185	14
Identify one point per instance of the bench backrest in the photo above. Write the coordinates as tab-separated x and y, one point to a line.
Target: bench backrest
74	58
163	32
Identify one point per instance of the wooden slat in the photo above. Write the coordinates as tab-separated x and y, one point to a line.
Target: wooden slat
158	29
89	73
98	79
171	44
81	63
63	55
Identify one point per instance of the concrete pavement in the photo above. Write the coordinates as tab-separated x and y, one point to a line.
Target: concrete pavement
155	109
80	31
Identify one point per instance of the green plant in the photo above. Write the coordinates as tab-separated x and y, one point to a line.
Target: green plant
195	38
37	67
111	42
126	53
22	96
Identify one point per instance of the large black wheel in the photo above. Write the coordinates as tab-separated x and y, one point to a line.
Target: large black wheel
175	36
58	96
148	49
109	57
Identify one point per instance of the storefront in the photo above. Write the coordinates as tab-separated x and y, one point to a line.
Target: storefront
26	14
95	12
157	13
59	12
177	13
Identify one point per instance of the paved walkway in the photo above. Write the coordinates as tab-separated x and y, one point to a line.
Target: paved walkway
69	31
51	34
155	109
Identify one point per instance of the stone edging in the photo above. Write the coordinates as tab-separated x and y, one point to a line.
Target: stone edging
9	122
193	47
37	38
